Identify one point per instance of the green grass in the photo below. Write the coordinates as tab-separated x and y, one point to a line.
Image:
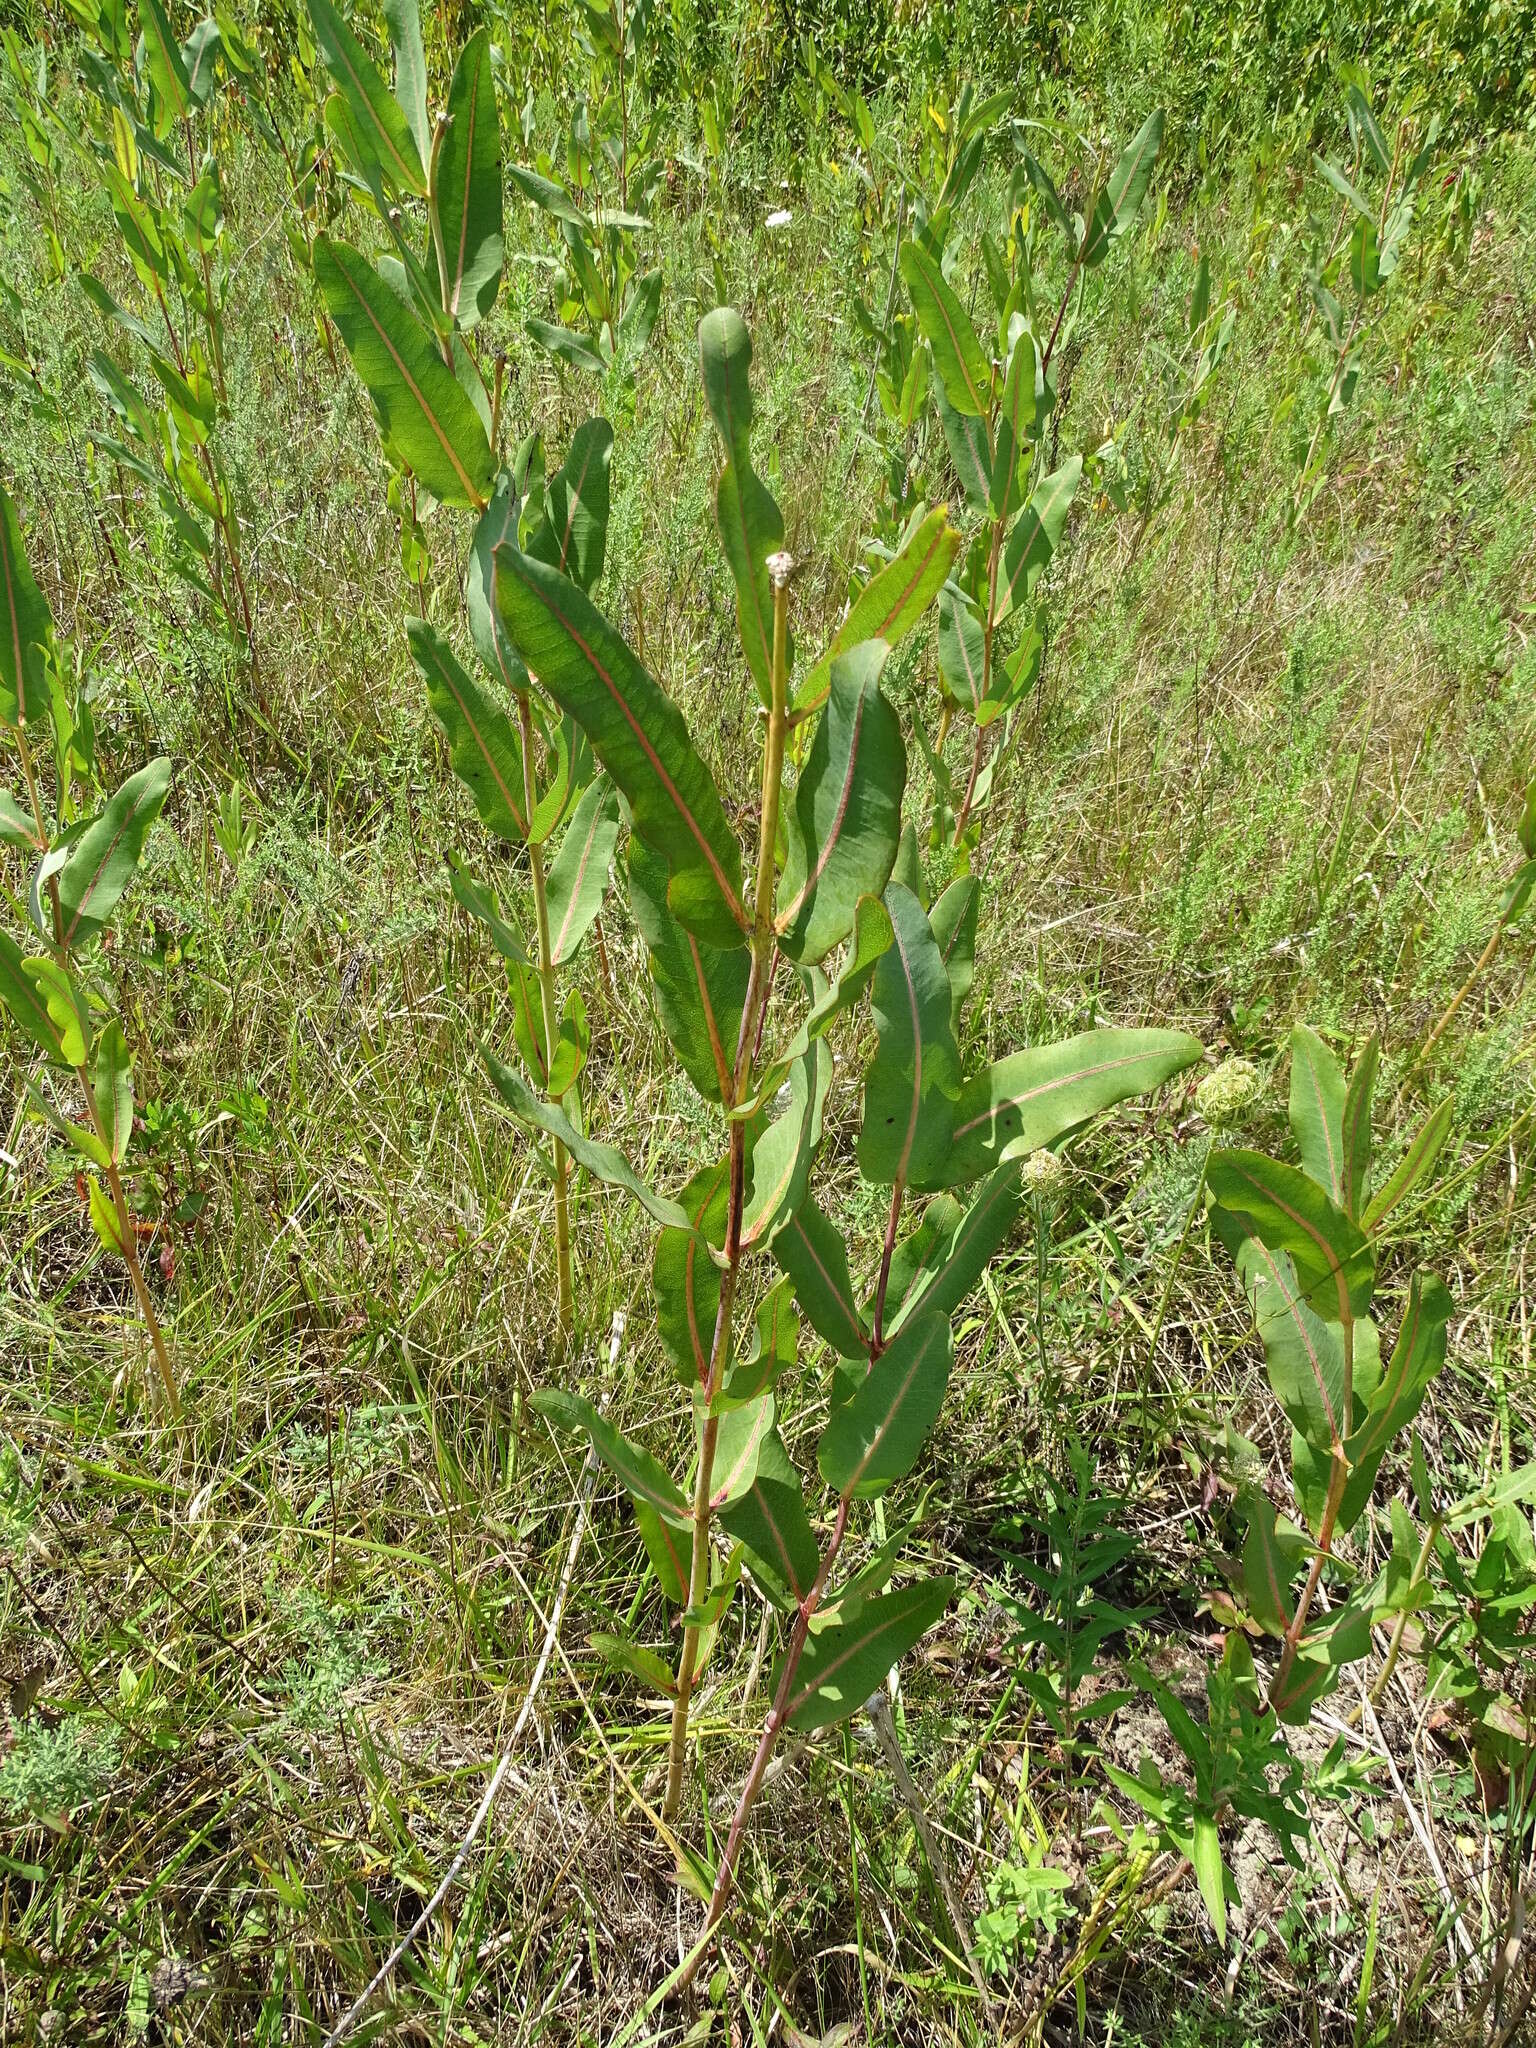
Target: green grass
275	1651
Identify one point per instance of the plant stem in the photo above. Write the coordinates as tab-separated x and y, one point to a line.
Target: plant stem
1338	1479
551	1024
759	984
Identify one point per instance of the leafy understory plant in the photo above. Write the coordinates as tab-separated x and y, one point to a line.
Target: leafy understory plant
411	329
751	970
1305	1241
81	862
994	396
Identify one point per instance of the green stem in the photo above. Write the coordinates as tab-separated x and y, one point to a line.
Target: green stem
759	983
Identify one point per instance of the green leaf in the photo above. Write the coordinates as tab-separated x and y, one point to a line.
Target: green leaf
1019	421
845	820
466	187
81	1136
700	990
1035	537
603	1162
528	1021
809	1248
26	625
485	752
104	859
167	69
665	1521
410	71
1416	1357
636	732
28	1005
1343	187
572	1043
1269	1563
1424	1149
104	1218
567	346
18	828
685	1278
1303	1351
482	905
1210	1872
1375	141
781	1159
911	1085
750	523
892	602
1317	1111
957	355
620	1654
114	1090
575	536
1356	1126
962	651
742	1432
969	442
1032	1098
1365	258
425	413
770	1522
872	935
497	523
376	114
875	1438
1288	1212
69	1015
578	880
954	919
551	198
845	1663
1045	185
1120	201
774	1348
960	1248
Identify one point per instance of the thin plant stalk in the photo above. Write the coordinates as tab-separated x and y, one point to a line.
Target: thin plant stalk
759	984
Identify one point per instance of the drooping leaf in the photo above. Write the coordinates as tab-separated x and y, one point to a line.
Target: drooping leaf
700	990
104	859
809	1248
1356	1127
1369	127
466	178
781	1159
567	346
1289	1212
69	1013
769	1519
663	1514
482	905
772	1352
424	411
962	1247
1416	1357
913	1082
891	603
1343	186
1317	1111
1036	536
1120	201
485	752
18	828
742	1432
845	820
1302	1350
620	1654
27	1003
962	651
844	1663
874	1439
105	1220
573	1041
376	114
957	355
872	935
1268	1566
1210	1872
26	624
1424	1149
1019	421
493	644
750	524
1032	1098
969	442
167	68
114	1090
954	920
578	880
686	1280
636	732
603	1162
